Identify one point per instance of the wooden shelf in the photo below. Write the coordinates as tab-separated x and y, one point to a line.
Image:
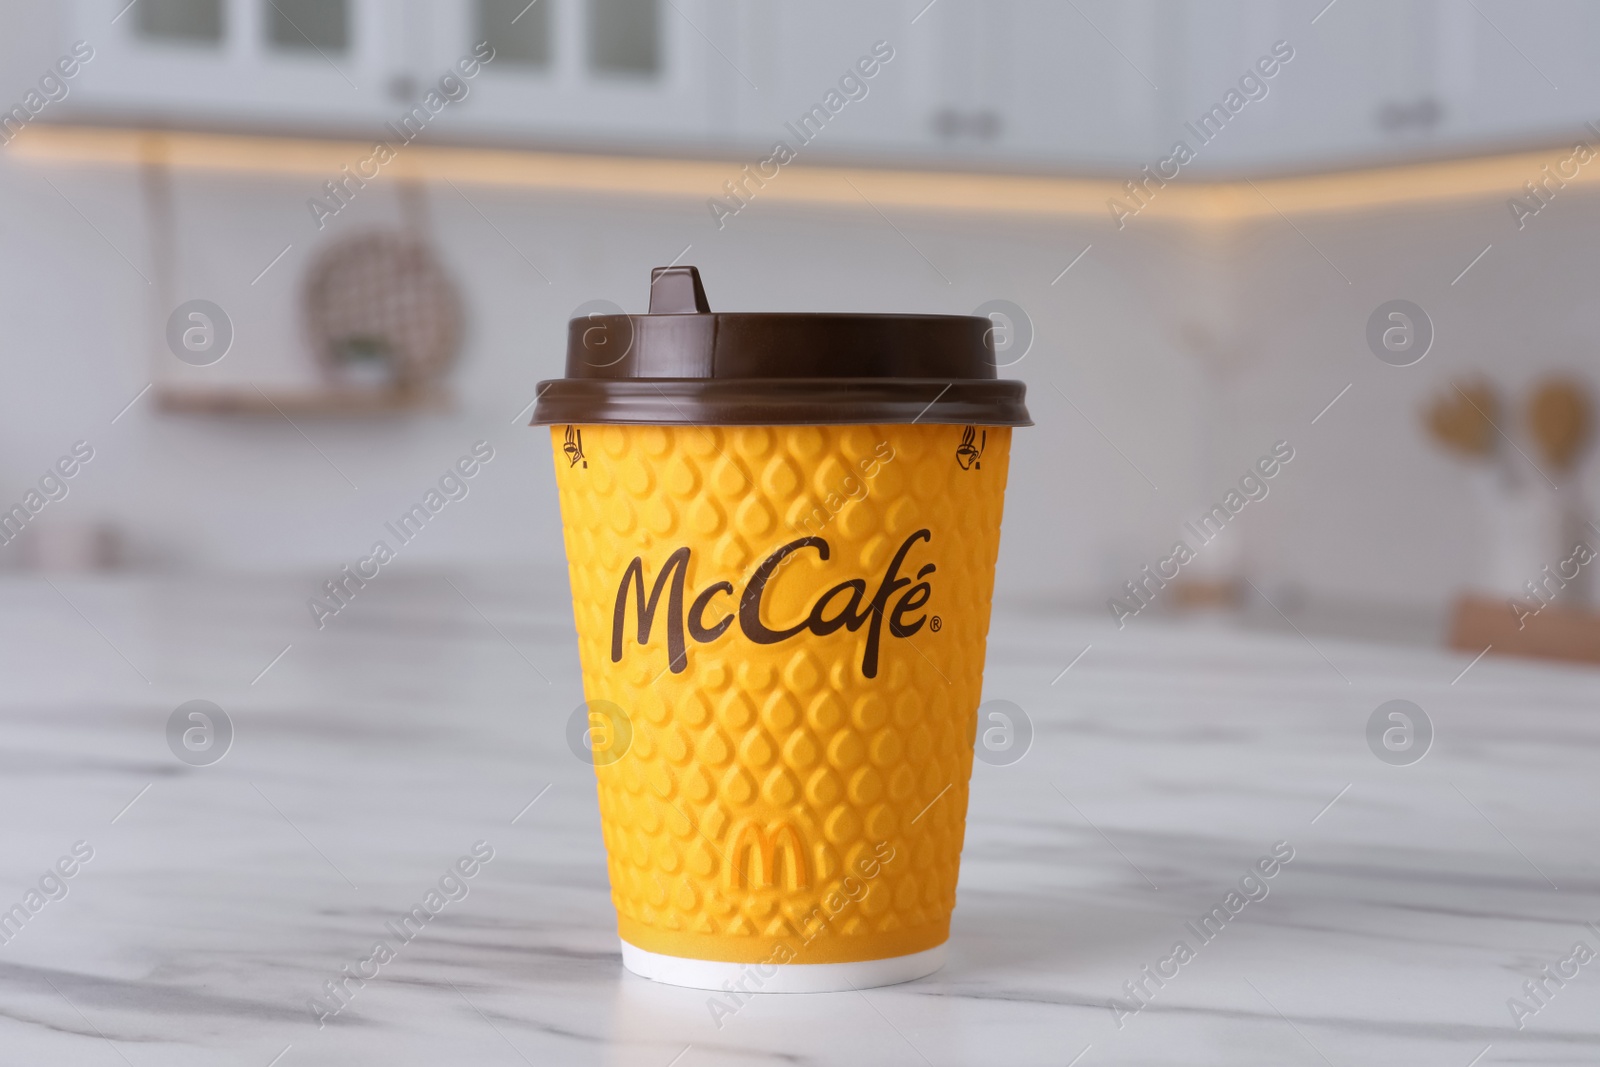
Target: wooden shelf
317	403
1193	201
1483	623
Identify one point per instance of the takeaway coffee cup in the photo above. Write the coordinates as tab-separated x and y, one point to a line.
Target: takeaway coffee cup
781	533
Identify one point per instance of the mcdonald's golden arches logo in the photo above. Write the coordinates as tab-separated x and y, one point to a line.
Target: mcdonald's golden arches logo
770	858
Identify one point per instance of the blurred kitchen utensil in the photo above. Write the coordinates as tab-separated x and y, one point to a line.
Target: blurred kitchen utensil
382	312
1559	414
1560	419
1520	516
1463	420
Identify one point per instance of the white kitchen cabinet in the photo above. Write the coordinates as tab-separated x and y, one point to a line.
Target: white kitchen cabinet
587	73
985	85
572	71
223	63
1378	81
1100	85
1081	85
790	57
959	57
1092	86
1532	75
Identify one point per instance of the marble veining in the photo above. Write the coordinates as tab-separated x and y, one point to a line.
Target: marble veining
426	718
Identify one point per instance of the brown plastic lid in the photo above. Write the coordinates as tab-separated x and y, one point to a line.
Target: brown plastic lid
683	364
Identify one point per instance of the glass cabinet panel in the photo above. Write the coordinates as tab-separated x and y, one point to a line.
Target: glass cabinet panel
517	30
625	37
180	21
320	25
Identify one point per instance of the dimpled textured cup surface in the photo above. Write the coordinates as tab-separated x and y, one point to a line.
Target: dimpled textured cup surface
800	798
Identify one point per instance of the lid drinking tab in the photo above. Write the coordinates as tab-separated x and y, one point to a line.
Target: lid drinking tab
677	291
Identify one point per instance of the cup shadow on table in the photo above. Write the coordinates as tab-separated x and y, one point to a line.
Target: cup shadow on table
1001	942
1007	935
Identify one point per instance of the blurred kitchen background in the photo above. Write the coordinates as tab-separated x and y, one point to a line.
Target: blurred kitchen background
946	157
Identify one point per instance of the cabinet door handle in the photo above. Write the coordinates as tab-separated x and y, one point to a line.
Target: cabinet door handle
951	124
947	123
1397	116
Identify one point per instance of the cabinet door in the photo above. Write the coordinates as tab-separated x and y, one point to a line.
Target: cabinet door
970	84
1082	85
1516	74
795	55
1318	106
318	64
1385	81
965	94
589	73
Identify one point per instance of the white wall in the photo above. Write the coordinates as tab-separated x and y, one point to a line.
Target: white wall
1377	512
1368	509
253	493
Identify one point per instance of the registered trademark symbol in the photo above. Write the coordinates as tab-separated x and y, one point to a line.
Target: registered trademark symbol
936	623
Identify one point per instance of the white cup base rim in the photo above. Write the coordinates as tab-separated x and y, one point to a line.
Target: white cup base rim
781	977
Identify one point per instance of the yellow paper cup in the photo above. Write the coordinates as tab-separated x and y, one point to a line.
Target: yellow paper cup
782	633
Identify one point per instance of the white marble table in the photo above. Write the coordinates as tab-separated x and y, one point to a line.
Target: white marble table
375	753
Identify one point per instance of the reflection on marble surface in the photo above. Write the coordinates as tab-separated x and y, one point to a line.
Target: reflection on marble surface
1166	761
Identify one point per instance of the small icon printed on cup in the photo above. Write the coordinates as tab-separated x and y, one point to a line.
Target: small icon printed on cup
1012	332
1399	733
199	332
573	447
969	453
1005	733
1399	333
599	732
607	336
199	733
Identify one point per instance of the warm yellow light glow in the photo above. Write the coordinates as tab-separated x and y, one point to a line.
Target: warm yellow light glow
695	180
